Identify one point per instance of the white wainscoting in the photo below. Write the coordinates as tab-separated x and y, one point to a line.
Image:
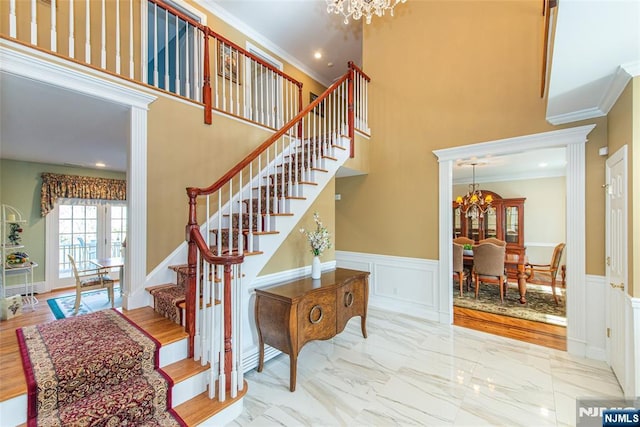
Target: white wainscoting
634	332
596	339
596	347
18	288
399	284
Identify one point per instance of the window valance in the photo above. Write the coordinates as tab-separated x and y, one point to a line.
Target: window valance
80	187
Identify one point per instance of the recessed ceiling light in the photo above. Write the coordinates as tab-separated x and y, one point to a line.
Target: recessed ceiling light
317	55
542	164
100	165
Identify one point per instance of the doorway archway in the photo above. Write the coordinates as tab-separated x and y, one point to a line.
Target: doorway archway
72	77
574	140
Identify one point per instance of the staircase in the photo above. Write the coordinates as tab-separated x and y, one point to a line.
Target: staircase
249	212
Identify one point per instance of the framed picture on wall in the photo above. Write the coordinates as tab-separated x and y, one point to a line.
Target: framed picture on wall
319	110
228	62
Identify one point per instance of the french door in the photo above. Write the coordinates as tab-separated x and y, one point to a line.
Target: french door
85	231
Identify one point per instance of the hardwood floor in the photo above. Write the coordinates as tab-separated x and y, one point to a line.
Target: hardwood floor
520	329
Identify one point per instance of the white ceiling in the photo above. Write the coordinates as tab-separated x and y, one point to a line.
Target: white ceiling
593	39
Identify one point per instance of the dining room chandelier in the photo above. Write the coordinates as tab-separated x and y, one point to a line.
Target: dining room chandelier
474	204
356	9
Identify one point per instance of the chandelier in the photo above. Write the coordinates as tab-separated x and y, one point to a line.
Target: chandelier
473	204
359	8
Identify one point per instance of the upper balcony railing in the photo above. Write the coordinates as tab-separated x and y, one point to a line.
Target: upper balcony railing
155	43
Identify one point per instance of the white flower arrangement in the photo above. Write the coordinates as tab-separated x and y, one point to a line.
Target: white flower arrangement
318	238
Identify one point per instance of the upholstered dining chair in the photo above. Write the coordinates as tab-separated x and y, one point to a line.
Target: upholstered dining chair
488	266
94	278
463	241
545	274
458	265
494	241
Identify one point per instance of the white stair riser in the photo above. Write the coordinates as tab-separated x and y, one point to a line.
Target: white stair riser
173	352
13	411
189	388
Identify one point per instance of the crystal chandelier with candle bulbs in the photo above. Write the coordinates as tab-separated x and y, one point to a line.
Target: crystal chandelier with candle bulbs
473	204
359	8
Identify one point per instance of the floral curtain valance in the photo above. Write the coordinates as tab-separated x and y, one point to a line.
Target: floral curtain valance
80	187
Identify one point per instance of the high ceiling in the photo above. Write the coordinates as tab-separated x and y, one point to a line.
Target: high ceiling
593	39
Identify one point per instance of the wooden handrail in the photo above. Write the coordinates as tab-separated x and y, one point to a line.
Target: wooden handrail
209	256
358	70
262	147
179	14
254	57
209	32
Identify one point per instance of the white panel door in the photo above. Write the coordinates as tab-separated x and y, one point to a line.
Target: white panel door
616	262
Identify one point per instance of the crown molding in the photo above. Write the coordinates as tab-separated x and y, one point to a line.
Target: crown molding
617	84
624	73
575	116
28	63
259	38
518	144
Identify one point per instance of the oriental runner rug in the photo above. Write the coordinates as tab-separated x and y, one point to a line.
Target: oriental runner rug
99	369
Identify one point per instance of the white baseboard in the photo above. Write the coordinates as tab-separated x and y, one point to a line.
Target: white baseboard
19	289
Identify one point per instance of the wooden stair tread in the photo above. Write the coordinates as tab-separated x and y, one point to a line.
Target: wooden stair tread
183	304
159	327
201	408
157	287
184	369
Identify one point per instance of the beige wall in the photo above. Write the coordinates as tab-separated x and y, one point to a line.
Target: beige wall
20	184
460	80
624	130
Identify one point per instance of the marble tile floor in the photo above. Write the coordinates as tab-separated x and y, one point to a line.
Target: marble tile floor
413	372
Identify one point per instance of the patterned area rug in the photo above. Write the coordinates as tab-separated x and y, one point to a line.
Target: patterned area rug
104	373
540	306
91	302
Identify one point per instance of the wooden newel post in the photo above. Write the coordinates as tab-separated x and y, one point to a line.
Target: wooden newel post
192	259
299	109
350	109
227	326
206	88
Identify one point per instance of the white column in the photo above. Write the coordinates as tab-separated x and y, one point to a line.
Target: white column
575	250
445	195
135	261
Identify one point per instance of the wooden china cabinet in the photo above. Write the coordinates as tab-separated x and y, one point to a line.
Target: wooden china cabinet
505	221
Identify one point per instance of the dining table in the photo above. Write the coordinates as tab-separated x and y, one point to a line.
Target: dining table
108	264
512	261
